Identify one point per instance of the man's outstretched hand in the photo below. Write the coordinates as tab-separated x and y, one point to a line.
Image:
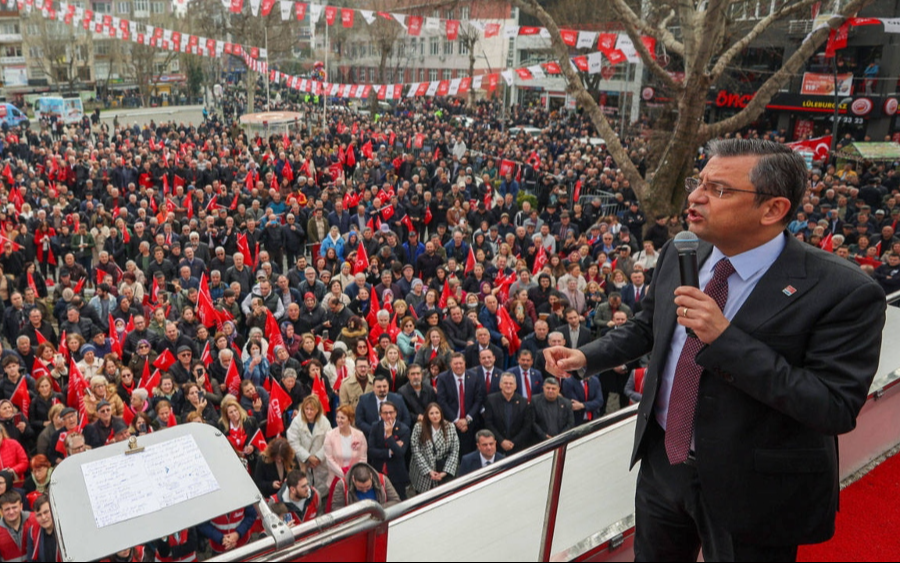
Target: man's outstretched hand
560	360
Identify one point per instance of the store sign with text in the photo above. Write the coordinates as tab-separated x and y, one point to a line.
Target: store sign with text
726	99
815	84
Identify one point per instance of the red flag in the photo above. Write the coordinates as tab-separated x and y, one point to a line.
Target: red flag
350	158
77	386
273	335
189	206
128	415
509	329
129	326
367	150
33	287
507	167
280	397
165	179
206	356
165	360
244	249
373	357
387	212
154	292
407	222
234	202
149	382
258	441
8	175
20	397
540	260
372	317
828	243
178	182
428	215
288	172
114	337
274	421
63	347
445	294
79	286
251	180
470	262
362	260
233	378
100	275
205	308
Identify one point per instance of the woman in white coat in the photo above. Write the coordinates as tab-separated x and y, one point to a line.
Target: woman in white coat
306	435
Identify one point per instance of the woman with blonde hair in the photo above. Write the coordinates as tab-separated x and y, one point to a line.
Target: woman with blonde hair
306	435
237	426
435	347
102	390
345	446
393	367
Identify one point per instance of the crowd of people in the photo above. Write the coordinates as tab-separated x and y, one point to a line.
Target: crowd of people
361	308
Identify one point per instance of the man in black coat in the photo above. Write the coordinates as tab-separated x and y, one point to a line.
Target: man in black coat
482	342
461	396
416	394
388	444
508	415
459	329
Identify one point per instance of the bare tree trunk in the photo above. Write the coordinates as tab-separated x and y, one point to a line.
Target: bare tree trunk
472	75
251	91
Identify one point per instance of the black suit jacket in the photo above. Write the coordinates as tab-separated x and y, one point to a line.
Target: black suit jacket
787	376
495	379
367	414
448	396
472	462
519	431
628	297
417	404
472	352
584	336
388	453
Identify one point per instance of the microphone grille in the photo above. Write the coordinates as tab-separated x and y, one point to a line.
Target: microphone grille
686	241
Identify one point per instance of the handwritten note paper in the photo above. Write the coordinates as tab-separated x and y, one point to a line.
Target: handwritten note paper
129	486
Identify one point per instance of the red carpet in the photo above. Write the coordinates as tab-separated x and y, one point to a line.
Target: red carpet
868	522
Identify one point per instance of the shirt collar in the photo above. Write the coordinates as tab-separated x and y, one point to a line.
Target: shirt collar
749	263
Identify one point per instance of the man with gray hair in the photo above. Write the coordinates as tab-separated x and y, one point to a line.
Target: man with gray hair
312	284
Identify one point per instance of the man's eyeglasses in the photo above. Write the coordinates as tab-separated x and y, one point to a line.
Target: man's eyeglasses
692	184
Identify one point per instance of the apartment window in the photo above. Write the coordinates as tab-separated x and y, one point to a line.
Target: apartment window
158	7
372	50
159	68
36	72
388	75
102	8
12	51
123	8
464	13
422	47
436	13
462	73
450	14
101	48
372	74
432	75
10	28
141	5
33	30
446	74
84	73
448	47
434	46
33	52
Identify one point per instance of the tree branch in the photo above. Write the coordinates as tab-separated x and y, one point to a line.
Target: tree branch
757	30
660	33
764	95
650	61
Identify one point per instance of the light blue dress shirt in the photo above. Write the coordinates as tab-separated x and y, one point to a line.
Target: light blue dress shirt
749	268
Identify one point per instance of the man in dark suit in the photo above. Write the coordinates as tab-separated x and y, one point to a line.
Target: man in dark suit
484	456
482	342
461	396
633	294
416	395
739	449
528	379
586	397
487	371
553	414
508	415
576	334
368	410
388	443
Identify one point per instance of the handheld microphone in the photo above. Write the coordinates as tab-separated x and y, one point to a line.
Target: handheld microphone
687	243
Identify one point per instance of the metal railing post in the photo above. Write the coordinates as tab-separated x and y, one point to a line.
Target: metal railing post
556	475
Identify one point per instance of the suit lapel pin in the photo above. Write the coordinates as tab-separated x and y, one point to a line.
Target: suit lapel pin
789	290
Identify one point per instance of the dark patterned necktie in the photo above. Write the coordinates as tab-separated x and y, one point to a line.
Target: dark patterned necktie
683	400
